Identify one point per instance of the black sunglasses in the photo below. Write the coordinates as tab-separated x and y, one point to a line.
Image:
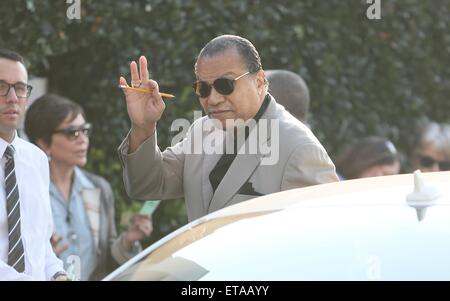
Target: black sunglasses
73	133
224	86
427	161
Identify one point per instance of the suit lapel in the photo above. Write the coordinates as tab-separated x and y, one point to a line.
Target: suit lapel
242	167
209	161
240	170
208	164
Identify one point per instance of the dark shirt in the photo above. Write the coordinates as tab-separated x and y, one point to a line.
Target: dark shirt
224	163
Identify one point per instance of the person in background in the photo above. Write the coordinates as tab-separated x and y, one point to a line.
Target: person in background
290	90
432	149
25	213
82	203
369	157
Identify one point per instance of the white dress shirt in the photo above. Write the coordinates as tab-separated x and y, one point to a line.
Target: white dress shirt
32	174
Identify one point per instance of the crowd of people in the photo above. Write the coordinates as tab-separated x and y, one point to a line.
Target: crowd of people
51	208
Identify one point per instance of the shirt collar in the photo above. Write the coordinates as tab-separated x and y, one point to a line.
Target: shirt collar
80	181
4	144
263	107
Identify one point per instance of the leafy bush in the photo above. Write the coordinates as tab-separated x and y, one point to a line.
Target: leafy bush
367	77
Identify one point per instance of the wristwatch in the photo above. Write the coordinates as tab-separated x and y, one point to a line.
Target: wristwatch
58	274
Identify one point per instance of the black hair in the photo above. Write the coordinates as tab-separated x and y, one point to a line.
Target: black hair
45	115
11	55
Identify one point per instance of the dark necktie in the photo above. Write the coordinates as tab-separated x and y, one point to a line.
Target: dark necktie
16	254
221	168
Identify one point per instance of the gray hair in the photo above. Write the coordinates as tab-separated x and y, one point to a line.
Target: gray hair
436	135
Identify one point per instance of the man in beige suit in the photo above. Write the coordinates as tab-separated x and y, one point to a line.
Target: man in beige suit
232	87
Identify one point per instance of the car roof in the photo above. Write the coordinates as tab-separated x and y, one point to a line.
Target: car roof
365	229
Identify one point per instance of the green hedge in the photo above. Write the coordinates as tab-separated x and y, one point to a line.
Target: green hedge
367	77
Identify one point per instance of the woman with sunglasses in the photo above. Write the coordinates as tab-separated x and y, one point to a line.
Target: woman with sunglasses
432	149
82	203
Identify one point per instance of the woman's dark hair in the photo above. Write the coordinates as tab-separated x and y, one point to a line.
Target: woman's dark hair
367	152
45	115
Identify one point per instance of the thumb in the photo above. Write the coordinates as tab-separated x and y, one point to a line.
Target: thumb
123	81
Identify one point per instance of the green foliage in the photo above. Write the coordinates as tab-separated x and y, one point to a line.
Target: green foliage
367	77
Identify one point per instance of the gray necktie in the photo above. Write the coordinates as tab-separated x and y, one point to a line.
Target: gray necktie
16	254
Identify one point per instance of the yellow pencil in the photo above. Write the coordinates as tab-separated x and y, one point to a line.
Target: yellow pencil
145	91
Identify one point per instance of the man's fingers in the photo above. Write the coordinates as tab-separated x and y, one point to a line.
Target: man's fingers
123	81
143	67
152	85
134	72
157	100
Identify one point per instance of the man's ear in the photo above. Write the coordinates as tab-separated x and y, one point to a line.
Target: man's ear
44	146
261	80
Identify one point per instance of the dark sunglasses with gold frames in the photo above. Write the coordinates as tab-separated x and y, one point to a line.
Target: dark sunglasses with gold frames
224	86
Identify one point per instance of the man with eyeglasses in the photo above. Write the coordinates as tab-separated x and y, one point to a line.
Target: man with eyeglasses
232	87
25	214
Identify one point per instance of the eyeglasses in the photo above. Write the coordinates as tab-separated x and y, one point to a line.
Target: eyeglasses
73	133
22	90
224	86
427	161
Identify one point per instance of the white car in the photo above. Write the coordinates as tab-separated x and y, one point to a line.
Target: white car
384	228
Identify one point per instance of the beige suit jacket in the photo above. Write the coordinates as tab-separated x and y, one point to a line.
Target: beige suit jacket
149	173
